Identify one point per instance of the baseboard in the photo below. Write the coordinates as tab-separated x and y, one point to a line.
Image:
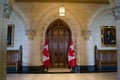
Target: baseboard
33	69
88	68
77	69
81	69
11	69
92	68
107	68
27	69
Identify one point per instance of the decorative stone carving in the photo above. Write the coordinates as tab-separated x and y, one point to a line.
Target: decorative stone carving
117	2
86	34
31	34
116	12
7	10
115	8
112	3
11	2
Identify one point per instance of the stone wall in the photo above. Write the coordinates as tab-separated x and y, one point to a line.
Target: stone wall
81	18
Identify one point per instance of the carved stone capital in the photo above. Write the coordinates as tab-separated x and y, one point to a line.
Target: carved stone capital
3	1
11	2
31	34
7	10
116	12
86	34
112	3
117	2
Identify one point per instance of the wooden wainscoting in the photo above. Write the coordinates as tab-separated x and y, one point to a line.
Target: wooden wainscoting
105	58
14	59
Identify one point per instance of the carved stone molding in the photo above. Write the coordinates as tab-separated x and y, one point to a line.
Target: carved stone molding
7	10
3	1
115	8
86	34
112	3
118	2
116	12
31	34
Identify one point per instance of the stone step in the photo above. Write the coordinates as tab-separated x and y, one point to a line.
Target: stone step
59	70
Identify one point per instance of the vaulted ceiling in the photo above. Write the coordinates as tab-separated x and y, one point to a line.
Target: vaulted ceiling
71	1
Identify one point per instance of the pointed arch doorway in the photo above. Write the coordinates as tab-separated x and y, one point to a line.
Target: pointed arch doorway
58	34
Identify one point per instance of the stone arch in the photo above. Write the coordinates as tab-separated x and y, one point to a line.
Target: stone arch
22	16
101	10
93	36
52	14
57	23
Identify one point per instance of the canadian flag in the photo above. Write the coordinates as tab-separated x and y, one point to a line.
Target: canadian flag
46	58
71	55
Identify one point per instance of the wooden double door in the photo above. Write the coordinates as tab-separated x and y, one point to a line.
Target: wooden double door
58	34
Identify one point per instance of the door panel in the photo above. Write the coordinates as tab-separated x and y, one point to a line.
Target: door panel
58	36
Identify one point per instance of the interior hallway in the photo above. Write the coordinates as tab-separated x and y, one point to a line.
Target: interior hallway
80	76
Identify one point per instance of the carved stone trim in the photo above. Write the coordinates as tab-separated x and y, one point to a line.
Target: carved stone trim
112	3
31	34
7	10
117	12
117	2
3	1
86	34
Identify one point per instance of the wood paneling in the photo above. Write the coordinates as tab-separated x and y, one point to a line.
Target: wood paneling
14	58
105	58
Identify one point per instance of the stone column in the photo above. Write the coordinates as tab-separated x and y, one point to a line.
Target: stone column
4	15
115	8
118	48
117	12
2	44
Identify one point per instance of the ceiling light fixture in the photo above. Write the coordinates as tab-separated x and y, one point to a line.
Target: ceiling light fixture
62	10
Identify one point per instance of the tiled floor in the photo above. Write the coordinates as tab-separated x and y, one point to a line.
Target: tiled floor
76	76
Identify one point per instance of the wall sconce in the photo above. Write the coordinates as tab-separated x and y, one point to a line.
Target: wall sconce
31	34
86	34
